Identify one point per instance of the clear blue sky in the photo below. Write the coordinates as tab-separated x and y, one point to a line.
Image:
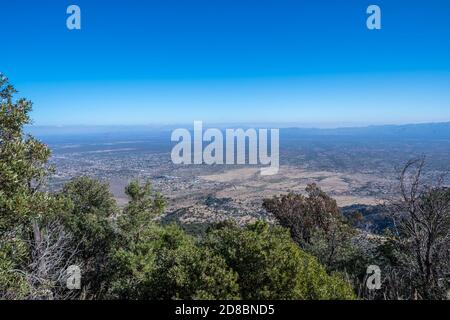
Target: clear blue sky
309	62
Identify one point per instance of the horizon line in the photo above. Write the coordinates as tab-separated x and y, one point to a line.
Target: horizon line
282	125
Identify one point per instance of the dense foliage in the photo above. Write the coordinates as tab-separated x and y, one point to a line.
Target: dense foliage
166	263
317	225
271	266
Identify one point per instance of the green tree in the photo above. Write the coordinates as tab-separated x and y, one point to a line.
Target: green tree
143	207
271	266
166	264
25	209
23	166
90	223
317	225
13	255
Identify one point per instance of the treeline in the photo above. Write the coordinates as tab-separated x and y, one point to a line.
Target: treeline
313	252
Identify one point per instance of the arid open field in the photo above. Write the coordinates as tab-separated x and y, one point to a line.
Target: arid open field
248	185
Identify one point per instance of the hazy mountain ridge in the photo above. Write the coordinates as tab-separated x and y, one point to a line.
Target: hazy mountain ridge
421	130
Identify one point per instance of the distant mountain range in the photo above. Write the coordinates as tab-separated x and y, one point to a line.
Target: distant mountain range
425	130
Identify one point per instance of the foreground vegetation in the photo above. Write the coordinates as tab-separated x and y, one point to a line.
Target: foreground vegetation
313	252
